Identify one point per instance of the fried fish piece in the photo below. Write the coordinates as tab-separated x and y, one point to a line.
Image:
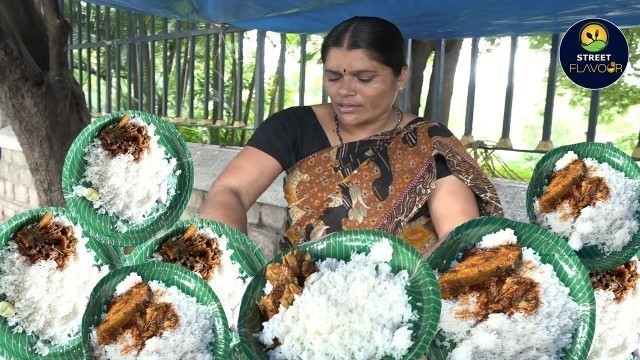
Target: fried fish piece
287	279
560	185
477	266
122	311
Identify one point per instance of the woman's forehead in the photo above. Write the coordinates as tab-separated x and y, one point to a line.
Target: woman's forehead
351	59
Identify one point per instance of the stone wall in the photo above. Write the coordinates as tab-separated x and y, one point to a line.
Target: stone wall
17	192
266	219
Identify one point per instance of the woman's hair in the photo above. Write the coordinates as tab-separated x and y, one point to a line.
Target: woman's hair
381	38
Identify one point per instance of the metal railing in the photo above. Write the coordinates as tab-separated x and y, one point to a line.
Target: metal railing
196	75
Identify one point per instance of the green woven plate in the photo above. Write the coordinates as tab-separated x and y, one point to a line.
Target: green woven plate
19	345
101	226
245	252
591	256
170	275
422	288
552	250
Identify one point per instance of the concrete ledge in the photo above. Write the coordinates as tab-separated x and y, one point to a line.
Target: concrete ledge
210	160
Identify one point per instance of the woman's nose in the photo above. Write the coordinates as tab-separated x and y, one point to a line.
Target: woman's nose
346	87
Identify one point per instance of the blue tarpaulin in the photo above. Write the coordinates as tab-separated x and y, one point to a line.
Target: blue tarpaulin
419	19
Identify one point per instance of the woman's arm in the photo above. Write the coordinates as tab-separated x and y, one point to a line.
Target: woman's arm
451	203
238	187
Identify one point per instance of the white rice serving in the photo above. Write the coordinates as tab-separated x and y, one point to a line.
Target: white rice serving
617	325
609	224
356	310
191	339
541	335
49	303
128	189
228	281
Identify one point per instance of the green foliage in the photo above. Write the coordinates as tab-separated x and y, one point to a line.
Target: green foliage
615	100
195	134
627	143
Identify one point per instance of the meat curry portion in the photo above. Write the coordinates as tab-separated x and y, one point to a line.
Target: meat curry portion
47	240
620	280
134	313
491	277
287	279
193	251
573	187
125	137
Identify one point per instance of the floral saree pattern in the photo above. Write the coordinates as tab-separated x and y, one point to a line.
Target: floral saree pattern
382	183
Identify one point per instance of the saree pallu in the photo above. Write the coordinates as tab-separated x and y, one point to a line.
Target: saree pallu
379	183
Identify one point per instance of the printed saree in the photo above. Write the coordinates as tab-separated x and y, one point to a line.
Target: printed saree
382	182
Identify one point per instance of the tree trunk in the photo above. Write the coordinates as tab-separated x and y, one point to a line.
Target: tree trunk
421	50
38	93
452	53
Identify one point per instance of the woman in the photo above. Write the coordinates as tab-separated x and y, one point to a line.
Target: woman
357	162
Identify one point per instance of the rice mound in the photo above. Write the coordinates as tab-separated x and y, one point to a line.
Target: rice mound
609	225
228	281
128	189
357	310
191	339
542	335
49	303
617	325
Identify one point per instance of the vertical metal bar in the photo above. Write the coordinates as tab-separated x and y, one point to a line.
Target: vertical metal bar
139	55
108	57
259	105
192	64
439	74
81	76
88	40
594	109
178	61
207	69
98	57
636	151
220	70
404	96
239	74
152	58
165	69
303	69
551	88
505	142
471	92
129	60
283	52
508	99
71	37
118	63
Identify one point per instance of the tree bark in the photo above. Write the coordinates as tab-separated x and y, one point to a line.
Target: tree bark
421	50
38	93
451	55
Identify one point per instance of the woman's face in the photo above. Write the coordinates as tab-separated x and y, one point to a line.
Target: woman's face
362	90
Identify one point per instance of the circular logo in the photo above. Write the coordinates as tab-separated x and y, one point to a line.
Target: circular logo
594	53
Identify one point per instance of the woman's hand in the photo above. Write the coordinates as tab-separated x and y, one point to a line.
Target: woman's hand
238	187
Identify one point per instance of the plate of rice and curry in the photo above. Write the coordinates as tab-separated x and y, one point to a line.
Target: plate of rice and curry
351	294
48	268
154	310
511	290
224	257
127	175
589	195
